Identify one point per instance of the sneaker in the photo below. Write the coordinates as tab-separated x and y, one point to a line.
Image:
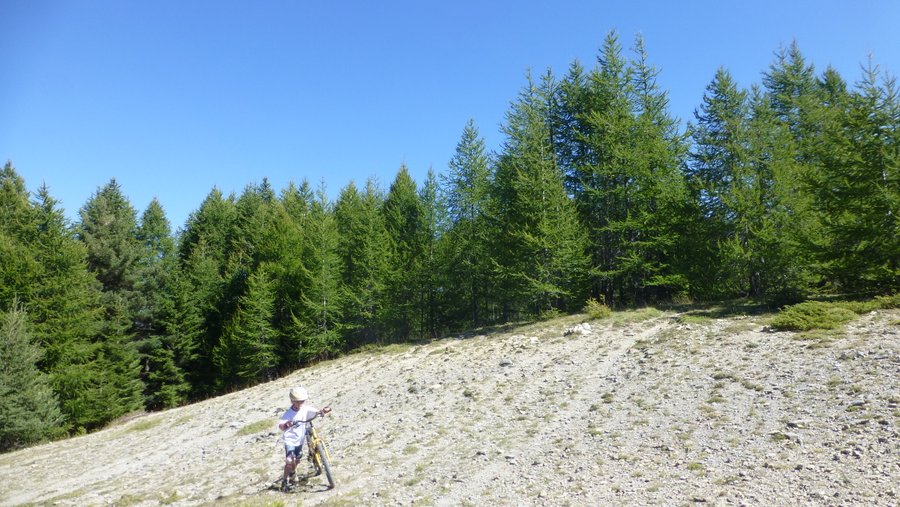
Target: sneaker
285	486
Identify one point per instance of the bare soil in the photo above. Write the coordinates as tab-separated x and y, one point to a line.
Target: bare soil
643	408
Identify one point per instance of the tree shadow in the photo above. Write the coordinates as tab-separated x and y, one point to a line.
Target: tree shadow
722	309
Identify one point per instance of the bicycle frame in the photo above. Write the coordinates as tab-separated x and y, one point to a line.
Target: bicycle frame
318	451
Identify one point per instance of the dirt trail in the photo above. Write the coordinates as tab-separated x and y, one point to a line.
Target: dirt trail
642	409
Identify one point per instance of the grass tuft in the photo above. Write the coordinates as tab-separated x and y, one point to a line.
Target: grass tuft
256	427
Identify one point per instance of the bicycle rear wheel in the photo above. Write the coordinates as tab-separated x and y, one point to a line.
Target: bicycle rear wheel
322	462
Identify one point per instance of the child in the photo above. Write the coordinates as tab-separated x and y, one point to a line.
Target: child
292	424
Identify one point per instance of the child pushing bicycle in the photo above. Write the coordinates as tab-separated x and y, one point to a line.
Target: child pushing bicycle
292	423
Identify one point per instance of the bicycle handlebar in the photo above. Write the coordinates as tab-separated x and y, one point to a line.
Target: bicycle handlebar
321	413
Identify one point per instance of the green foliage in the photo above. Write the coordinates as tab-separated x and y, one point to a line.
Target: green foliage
745	166
623	155
888	302
246	352
785	188
165	351
319	319
404	222
812	315
29	411
539	251
465	245
856	187
596	309
363	247
866	306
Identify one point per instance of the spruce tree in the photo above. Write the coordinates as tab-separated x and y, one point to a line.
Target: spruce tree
29	410
199	318
654	252
165	351
603	201
46	270
108	229
247	351
719	163
200	297
320	320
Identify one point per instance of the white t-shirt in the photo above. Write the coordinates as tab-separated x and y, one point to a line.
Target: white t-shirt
295	435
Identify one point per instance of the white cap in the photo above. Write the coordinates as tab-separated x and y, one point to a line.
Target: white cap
299	394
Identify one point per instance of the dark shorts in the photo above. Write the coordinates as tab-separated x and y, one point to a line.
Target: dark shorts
290	450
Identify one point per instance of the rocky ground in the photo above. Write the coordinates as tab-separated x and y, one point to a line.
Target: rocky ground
643	408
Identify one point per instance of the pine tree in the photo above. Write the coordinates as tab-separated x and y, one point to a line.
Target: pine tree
249	345
199	318
47	271
209	225
779	263
108	228
790	86
19	272
609	150
622	155
657	197
67	315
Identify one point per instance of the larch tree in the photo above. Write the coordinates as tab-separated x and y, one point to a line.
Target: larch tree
363	247
540	251
467	187
403	218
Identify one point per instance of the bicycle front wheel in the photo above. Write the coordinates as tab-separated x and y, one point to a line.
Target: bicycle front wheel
322	461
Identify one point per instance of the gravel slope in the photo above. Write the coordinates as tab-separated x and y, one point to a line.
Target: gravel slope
645	408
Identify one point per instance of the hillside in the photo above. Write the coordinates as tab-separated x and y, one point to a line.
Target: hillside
644	408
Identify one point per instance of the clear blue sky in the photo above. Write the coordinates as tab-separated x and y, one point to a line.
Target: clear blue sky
172	98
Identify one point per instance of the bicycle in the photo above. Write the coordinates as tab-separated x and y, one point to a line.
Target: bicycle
318	456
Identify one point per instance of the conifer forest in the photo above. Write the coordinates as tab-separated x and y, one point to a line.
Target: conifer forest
777	193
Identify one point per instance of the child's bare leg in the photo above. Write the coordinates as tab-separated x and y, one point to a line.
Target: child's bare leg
289	466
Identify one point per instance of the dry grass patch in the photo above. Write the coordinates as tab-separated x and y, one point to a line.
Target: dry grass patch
257	427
